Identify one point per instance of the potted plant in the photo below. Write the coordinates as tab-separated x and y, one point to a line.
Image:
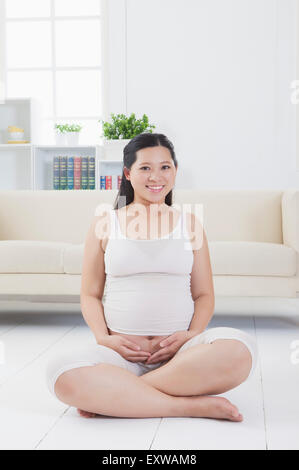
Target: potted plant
118	133
60	134
67	134
72	133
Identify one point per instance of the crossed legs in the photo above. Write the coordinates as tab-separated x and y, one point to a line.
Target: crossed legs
204	369
178	388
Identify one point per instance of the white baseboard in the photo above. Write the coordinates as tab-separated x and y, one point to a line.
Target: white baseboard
244	306
22	306
264	306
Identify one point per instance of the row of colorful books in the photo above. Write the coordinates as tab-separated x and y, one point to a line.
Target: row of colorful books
110	182
73	172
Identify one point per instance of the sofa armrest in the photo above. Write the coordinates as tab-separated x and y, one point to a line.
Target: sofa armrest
290	218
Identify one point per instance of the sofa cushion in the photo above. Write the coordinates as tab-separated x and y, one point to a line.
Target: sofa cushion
228	215
27	256
227	258
252	258
73	258
231	258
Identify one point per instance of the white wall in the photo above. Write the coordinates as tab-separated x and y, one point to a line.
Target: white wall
214	76
2	51
297	79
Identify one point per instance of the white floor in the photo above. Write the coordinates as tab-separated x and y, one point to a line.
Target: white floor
31	418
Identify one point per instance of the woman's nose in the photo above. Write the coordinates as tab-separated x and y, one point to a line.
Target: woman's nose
154	177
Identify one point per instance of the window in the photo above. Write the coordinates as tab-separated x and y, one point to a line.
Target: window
53	53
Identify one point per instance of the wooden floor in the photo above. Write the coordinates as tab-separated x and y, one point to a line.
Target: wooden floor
31	418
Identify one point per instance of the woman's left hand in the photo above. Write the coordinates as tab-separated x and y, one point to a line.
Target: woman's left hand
169	346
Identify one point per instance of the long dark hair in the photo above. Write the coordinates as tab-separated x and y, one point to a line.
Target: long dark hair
140	141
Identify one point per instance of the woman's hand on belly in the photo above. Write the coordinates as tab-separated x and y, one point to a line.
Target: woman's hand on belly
129	350
147	345
170	345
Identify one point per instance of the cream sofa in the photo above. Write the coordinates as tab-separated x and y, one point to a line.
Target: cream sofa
253	239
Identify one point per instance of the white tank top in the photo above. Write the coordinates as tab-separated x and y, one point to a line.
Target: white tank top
147	289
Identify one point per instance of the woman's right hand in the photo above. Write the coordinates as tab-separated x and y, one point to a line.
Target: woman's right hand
127	349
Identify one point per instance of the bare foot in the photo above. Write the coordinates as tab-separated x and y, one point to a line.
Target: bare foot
204	406
213	407
86	414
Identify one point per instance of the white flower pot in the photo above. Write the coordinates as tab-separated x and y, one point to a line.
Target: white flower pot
113	149
60	138
72	138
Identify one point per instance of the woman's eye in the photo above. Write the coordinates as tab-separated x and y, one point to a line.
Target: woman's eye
167	166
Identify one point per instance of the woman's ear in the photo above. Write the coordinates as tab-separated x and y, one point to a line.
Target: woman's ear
127	173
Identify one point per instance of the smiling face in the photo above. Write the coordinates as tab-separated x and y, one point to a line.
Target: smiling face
152	175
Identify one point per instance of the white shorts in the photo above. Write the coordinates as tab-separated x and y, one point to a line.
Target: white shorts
94	354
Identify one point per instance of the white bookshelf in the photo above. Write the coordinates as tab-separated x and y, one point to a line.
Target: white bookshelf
43	161
20	112
16	159
30	166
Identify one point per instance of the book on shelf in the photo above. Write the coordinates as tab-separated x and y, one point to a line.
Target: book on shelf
73	172
110	181
77	173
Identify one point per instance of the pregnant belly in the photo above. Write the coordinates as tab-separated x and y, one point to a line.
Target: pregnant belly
147	343
147	308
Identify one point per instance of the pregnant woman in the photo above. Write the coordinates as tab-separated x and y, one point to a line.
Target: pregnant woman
153	355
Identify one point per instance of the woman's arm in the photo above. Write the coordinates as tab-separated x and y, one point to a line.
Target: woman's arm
202	287
93	280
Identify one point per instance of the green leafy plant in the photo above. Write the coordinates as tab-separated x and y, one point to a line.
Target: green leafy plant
74	128
67	128
60	128
123	127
